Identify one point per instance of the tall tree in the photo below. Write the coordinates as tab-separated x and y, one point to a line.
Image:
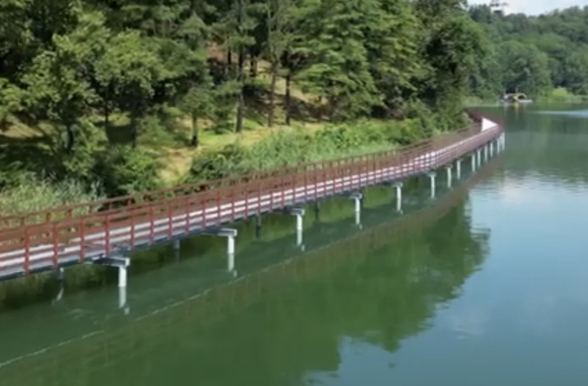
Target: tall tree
281	17
339	69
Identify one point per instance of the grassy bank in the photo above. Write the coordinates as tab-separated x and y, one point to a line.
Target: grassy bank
298	145
561	95
121	171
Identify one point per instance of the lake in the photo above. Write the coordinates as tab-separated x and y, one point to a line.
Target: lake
485	284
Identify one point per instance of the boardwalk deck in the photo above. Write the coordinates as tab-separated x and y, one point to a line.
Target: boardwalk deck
117	238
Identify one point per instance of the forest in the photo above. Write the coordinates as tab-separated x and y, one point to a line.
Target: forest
543	56
109	97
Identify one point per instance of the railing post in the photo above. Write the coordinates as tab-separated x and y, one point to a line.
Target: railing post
151	224
107	235
82	240
188	209
27	251
55	244
132	229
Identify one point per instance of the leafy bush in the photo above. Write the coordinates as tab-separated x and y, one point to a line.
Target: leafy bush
31	194
284	148
123	170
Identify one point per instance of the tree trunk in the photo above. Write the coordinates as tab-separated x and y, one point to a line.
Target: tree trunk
241	105
195	141
70	138
229	58
241	71
106	116
134	132
288	99
272	96
253	66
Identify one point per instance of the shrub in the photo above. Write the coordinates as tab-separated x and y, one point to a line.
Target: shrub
31	194
122	170
290	147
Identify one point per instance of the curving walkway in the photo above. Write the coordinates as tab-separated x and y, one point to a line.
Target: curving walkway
73	244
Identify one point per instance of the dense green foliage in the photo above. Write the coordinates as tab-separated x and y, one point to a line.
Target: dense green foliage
286	148
104	83
534	54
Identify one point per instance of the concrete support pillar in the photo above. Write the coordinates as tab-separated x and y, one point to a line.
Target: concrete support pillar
122	272
60	276
122	298
449	175
317	211
432	176
231	235
231	253
357	197
258	227
177	249
473	162
458	168
491	145
299	214
479	157
486	151
398	187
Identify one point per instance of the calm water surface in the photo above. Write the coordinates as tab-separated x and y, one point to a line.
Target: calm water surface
482	286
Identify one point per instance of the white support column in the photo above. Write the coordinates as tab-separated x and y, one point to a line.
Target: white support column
317	211
122	272
231	235
486	151
458	168
473	162
449	175
356	197
230	253
258	227
60	274
122	300
177	249
491	145
299	213
479	157
432	176
398	186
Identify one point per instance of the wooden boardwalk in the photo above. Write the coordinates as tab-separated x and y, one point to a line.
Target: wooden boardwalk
107	237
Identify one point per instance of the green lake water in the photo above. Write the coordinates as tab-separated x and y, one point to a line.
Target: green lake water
485	284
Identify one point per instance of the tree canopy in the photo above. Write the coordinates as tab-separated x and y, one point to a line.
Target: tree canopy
535	54
99	78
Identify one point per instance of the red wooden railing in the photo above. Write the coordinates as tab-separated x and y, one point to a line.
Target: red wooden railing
98	228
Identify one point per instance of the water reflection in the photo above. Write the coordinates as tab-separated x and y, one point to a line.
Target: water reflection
291	323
